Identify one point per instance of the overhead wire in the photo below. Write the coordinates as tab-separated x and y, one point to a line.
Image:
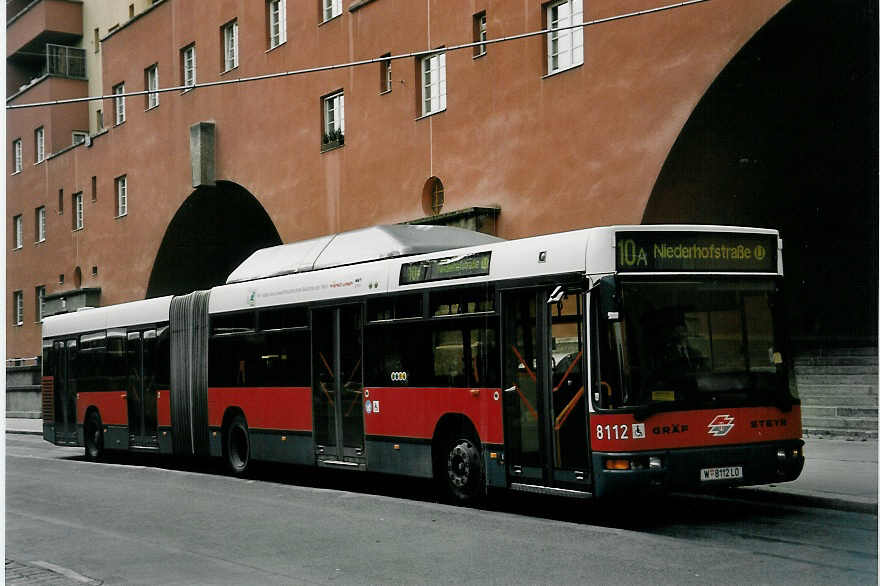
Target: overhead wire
386	58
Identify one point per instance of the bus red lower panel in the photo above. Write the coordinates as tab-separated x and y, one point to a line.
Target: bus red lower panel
112	406
283	408
687	429
410	412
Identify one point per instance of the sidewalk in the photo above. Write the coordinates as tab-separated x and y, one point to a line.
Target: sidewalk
838	474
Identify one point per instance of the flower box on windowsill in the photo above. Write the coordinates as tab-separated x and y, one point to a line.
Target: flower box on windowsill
332	140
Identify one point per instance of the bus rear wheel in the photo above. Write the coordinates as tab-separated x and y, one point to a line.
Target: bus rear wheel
237	446
463	471
93	434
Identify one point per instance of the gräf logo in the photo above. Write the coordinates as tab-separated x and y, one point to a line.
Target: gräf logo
721	425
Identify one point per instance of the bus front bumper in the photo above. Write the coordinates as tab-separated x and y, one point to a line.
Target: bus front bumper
697	468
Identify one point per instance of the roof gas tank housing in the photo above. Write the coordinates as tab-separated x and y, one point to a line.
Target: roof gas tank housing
354	247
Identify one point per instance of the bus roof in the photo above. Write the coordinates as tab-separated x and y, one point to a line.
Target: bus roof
354	247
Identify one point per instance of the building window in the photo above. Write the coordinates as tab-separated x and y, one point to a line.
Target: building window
94	188
277	18
565	48
119	103
122	196
151	81
480	33
17	238
230	45
18	311
97	40
99	119
433	84
77	207
188	66
40	224
39	300
385	74
80	137
332	9
39	145
434	196
334	121
60	201
16	155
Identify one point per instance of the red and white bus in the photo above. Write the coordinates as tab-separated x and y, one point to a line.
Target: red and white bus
583	363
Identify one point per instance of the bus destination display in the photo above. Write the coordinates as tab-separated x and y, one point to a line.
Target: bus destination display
472	265
696	252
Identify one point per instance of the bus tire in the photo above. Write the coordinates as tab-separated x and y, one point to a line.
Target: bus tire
462	470
93	436
237	446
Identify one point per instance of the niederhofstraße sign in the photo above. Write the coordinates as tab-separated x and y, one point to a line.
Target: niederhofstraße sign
696	252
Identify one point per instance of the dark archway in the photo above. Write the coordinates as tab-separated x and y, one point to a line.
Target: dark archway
213	231
786	137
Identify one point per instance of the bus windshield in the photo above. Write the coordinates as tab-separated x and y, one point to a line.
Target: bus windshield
695	344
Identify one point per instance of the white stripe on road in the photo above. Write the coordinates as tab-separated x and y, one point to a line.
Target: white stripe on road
65	572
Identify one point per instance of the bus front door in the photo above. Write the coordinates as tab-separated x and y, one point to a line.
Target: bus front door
545	415
337	386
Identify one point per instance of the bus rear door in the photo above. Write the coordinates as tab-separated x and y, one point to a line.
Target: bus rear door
546	445
65	392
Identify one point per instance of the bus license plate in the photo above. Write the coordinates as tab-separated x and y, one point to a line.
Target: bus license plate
726	473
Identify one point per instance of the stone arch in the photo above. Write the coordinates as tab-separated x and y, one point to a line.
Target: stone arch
212	232
786	137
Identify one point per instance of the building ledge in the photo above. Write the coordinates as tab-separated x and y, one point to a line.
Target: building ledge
69	301
479	219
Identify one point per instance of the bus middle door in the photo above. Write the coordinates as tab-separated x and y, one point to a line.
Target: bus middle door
337	386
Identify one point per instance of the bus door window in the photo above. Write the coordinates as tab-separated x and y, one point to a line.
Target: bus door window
149	384
567	385
133	384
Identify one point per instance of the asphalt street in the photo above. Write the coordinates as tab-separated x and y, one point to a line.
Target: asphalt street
140	521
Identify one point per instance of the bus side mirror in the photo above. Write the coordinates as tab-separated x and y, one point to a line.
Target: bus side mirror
609	304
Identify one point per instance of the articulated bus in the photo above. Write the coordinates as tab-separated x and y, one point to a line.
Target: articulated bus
585	363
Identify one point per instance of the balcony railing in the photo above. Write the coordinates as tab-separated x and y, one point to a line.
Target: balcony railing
65	61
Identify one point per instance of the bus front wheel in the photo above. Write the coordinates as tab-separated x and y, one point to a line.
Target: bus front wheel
94	436
238	446
463	470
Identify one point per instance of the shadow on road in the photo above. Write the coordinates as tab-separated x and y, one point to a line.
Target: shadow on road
640	512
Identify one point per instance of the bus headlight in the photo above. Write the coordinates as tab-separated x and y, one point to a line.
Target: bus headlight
655	463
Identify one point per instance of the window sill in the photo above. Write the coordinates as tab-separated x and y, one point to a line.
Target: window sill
38	242
331	19
16	172
118	124
17	248
39	162
383	92
332	146
558	71
151	108
120	216
78	229
187	90
230	70
483	54
282	43
429	114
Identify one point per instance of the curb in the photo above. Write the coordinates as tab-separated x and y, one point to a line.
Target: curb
799	500
23	432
